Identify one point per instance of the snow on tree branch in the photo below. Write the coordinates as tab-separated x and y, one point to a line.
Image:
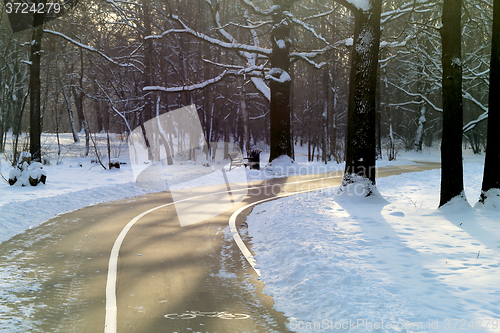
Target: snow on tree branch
307	27
241	70
417	95
231	45
261	11
472	124
468	96
91	49
189	87
278	75
262	87
316	16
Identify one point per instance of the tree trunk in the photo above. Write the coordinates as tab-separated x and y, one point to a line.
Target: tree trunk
491	177
78	95
378	117
423	88
245	119
35	88
451	144
68	106
148	111
419	137
361	150
280	109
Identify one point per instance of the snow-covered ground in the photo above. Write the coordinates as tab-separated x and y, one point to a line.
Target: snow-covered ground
335	262
77	182
326	259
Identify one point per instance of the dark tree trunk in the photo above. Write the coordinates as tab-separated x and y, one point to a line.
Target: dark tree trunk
245	119
280	108
149	108
35	88
451	144
98	110
491	177
79	95
19	101
423	88
361	147
148	111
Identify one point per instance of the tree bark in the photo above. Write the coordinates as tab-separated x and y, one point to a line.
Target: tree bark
491	177
68	105
451	144
245	119
361	148
280	110
35	88
79	95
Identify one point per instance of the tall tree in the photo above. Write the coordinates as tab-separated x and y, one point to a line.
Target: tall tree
361	148
35	86
491	177
280	108
451	145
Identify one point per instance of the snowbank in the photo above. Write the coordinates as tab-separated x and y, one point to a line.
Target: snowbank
400	265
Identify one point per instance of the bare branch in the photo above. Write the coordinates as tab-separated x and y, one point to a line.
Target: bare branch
227	45
90	48
189	87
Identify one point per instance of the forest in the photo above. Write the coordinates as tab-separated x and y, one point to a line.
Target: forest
354	80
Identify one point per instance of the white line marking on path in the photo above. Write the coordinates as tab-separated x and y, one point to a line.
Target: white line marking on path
234	231
110	322
111	308
232	220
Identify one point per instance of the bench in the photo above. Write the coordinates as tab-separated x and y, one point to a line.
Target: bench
236	160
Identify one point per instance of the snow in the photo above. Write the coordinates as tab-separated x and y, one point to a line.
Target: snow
326	257
281	43
189	87
492	199
262	87
334	261
278	75
77	182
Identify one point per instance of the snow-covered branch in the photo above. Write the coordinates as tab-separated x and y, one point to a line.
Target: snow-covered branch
214	41
417	95
468	96
191	87
90	49
251	58
241	70
307	27
316	16
473	123
278	75
261	86
258	10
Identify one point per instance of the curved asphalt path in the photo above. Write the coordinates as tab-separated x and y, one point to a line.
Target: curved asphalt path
195	275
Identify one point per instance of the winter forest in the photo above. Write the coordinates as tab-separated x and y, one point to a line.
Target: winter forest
353	80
